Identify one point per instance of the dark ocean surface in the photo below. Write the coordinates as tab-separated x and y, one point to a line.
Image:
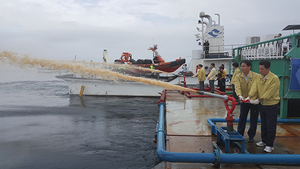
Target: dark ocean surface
42	126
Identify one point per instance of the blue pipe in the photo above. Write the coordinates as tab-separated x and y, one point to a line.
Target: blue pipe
215	157
173	156
214	128
248	120
287	159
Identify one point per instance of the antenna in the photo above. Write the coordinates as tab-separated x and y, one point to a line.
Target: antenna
218	18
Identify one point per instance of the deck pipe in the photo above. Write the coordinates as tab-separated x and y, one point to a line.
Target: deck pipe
191	95
224	97
175	156
216	157
229	117
214	128
162	97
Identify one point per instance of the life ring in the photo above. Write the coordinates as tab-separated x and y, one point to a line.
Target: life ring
126	57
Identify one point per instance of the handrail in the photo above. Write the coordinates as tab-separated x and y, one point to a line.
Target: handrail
268	41
269	49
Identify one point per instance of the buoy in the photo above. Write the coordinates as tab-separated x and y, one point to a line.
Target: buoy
81	90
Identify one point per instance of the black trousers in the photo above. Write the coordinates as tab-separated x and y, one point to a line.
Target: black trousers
234	93
212	85
268	116
244	109
221	84
201	85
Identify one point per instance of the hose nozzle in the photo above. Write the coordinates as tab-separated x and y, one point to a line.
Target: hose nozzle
200	92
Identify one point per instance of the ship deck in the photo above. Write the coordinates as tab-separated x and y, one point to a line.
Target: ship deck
187	130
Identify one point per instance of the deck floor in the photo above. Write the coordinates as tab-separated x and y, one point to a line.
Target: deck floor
188	131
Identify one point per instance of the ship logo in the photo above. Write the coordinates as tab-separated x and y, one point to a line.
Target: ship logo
214	33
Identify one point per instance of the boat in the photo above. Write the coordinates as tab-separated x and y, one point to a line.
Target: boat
91	85
158	70
217	53
187	133
157	63
101	87
96	86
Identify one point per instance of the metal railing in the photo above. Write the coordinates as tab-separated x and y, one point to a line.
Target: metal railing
271	49
220	51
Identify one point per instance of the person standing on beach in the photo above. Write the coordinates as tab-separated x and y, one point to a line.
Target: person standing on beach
211	77
266	87
201	76
243	83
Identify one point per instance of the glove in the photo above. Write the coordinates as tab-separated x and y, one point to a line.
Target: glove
247	99
241	98
254	101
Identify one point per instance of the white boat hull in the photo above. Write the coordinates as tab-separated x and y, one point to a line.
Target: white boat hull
100	87
109	88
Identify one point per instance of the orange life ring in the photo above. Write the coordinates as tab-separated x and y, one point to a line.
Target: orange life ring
126	57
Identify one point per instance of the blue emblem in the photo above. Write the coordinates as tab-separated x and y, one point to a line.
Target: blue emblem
214	33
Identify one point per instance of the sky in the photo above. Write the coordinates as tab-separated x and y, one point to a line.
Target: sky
62	29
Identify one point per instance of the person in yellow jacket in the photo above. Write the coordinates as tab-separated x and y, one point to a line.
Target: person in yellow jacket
266	87
236	72
211	77
221	76
243	83
225	70
201	76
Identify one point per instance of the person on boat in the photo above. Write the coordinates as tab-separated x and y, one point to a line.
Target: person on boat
279	44
211	77
197	68
184	69
266	87
221	79
156	57
243	83
206	47
222	65
236	72
201	76
121	69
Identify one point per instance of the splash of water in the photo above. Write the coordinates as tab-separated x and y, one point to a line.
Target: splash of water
14	59
127	66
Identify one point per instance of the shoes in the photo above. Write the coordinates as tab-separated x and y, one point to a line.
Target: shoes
269	149
260	144
250	140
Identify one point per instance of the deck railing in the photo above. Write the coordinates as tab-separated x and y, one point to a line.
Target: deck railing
271	49
220	51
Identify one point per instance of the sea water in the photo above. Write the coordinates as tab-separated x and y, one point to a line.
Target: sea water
42	126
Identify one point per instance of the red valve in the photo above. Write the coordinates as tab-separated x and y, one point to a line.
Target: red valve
229	117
